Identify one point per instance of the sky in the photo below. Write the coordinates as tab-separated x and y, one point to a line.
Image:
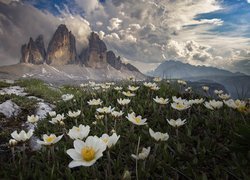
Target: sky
143	32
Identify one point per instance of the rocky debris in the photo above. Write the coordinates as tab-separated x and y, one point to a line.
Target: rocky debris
17	90
9	109
34	51
62	47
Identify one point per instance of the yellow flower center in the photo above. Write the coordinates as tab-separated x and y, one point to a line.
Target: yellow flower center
50	139
105	140
78	129
137	120
179	106
88	153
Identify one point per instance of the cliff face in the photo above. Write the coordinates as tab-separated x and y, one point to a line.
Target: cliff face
34	51
94	55
62	48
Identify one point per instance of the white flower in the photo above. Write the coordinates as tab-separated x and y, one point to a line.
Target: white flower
218	92
149	84
67	97
212	104
181	82
128	94
74	113
154	88
136	119
52	113
32	119
96	88
196	101
158	136
95	102
86	153
83	85
157	79
49	140
224	96
180	106
143	155
133	88
104	86
22	136
99	117
117	113
160	100
123	101
205	88
179	100
105	110
79	132
110	140
176	123
118	88
12	142
235	104
57	119
188	89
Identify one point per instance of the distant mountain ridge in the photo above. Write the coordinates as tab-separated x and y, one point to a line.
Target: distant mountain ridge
177	69
237	84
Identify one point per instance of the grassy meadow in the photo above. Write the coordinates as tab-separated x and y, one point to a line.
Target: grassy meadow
210	144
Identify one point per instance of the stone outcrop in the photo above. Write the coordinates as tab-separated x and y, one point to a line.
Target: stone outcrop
62	47
34	51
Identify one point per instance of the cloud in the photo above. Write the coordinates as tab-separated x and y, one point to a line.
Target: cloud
8	1
88	6
114	24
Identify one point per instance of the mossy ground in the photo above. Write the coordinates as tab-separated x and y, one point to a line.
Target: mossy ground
211	145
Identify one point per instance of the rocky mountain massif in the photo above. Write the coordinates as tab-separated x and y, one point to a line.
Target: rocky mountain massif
62	51
59	62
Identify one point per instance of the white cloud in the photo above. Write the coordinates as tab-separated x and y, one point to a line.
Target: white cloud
114	24
88	6
99	23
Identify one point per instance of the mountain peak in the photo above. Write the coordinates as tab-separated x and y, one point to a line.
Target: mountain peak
62	47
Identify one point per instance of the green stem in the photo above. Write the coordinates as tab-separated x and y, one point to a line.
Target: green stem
136	161
109	165
106	123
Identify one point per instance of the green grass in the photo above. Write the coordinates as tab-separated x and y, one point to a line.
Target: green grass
39	89
211	145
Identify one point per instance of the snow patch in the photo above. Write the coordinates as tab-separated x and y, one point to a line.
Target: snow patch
9	109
